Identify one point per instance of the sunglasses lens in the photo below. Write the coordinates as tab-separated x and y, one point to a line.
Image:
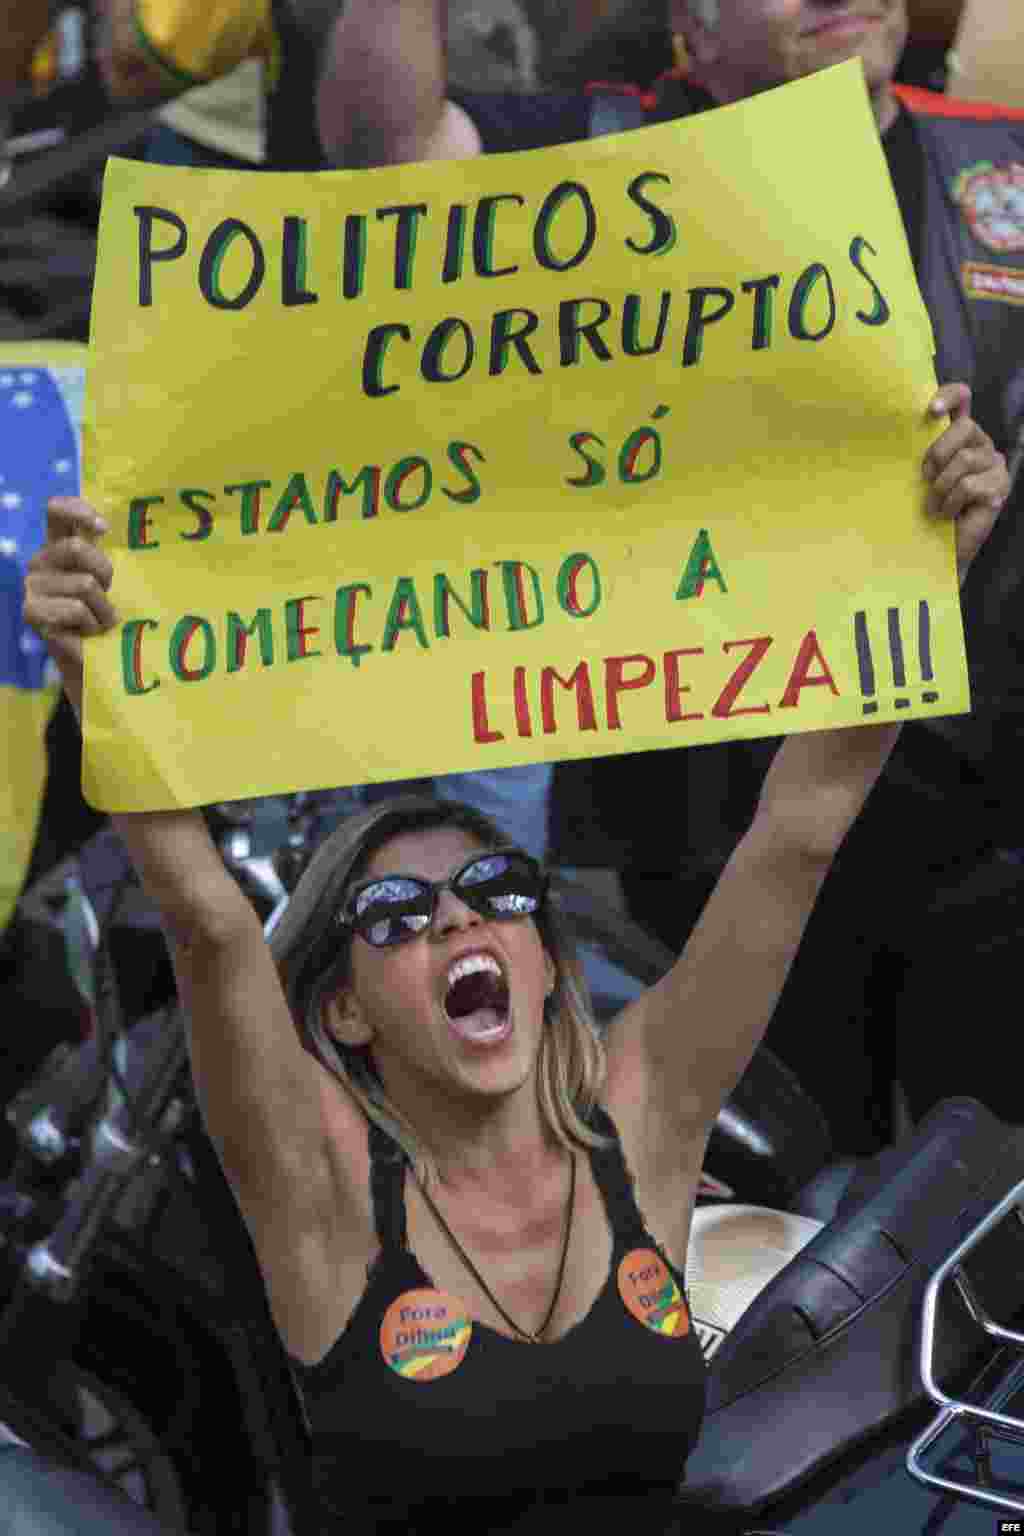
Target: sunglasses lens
391	911
398	907
501	885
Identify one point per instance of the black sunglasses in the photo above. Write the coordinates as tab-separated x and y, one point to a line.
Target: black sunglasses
391	909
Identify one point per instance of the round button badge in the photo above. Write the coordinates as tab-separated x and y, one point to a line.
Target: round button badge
652	1295
424	1334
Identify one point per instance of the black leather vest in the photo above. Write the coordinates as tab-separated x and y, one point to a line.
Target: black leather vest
972	278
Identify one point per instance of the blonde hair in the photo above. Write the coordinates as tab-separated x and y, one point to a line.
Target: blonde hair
311	951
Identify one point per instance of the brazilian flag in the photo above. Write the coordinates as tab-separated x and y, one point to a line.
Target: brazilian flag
42	385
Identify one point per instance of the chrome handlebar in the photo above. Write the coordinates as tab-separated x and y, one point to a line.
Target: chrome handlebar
953	1410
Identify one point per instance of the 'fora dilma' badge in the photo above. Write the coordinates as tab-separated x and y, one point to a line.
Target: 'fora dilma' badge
652	1295
424	1334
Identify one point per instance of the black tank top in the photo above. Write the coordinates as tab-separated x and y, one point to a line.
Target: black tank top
419	1414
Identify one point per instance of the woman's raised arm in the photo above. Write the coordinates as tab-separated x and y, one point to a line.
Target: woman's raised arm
263	1097
679	1050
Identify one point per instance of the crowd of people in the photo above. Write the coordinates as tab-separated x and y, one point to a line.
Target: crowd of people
440	1161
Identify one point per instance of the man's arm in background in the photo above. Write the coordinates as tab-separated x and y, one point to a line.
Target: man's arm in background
381	96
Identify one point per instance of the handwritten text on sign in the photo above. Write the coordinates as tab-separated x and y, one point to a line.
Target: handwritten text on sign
448	466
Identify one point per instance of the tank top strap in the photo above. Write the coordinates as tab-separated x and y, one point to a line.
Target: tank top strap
615	1181
387	1189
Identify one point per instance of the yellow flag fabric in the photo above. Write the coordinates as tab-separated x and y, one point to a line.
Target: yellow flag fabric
201	42
593	449
41	390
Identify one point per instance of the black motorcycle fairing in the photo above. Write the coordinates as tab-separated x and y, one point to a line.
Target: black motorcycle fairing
823	1195
770	1138
827	1353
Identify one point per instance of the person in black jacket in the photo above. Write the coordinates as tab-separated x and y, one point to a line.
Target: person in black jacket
949	795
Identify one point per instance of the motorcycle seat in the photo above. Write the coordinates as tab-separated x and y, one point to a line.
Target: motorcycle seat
820	1198
40	1498
826	1353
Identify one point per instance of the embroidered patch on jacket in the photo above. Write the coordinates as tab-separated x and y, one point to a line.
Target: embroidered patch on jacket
991	199
424	1334
985	282
651	1294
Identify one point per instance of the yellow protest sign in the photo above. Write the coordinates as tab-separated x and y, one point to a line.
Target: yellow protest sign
550	455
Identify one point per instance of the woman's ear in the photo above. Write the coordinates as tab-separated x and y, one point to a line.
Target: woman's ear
344	1020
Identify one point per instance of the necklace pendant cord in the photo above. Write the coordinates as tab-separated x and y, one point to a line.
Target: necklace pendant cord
524	1333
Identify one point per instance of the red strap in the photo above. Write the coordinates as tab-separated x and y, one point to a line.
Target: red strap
914	98
932	104
647	99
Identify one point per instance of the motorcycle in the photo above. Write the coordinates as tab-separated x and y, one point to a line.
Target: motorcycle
142	1379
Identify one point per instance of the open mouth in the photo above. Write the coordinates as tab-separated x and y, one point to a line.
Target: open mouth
476	999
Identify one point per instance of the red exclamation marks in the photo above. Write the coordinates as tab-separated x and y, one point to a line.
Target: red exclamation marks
865	661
